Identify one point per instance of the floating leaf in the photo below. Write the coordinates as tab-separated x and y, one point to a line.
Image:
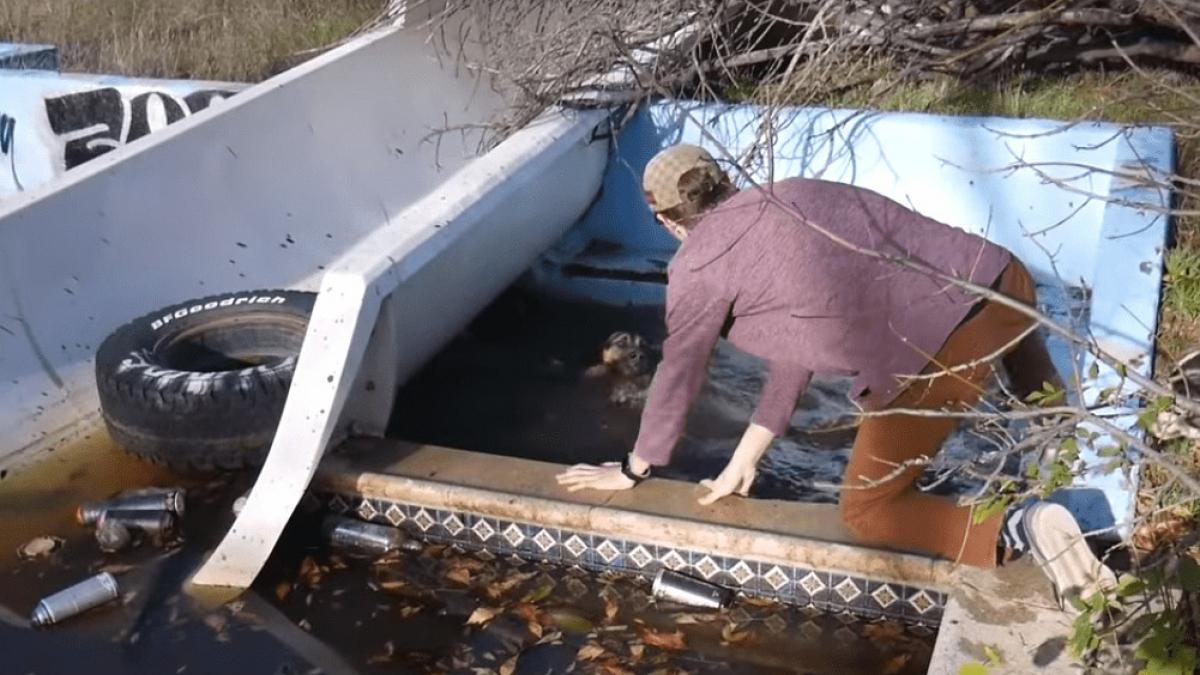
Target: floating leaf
509	666
896	663
570	622
482	615
459	575
498	589
472	564
526	611
730	635
761	601
310	572
885	632
389	653
282	590
39	546
216	622
590	652
673	640
538	594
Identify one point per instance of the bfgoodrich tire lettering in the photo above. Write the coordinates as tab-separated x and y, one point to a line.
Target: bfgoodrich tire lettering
200	386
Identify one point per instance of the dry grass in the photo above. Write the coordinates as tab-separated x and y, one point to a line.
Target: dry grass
232	40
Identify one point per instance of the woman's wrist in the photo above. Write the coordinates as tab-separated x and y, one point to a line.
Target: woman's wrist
636	465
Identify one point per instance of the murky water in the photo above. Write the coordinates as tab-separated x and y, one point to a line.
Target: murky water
418	612
514	384
153	628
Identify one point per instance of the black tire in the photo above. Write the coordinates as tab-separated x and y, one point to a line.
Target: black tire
200	386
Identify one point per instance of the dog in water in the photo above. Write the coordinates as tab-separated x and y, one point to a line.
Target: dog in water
627	363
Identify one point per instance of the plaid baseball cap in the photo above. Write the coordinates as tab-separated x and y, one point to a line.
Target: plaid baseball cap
660	181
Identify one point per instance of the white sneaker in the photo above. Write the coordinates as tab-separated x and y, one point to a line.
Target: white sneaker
1059	548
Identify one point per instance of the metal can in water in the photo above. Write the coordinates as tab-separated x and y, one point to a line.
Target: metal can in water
89	593
361	537
687	590
158	500
155	523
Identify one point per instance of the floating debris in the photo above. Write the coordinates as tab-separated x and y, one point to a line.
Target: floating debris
687	590
113	536
239	504
73	600
39	547
170	500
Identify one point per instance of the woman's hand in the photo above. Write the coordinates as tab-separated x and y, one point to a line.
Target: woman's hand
733	480
739	473
607	476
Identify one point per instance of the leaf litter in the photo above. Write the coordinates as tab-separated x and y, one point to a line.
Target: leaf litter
503	616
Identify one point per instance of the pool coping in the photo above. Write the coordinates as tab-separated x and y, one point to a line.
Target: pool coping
798	553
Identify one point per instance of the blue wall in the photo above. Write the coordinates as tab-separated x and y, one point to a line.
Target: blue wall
1081	204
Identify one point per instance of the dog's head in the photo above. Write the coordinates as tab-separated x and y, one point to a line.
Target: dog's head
626	354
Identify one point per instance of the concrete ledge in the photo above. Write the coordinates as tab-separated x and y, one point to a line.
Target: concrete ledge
1009	611
662	511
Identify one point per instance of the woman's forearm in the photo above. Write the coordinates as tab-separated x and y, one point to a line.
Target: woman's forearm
739	473
752	446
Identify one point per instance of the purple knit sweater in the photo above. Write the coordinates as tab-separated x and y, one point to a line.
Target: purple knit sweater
791	294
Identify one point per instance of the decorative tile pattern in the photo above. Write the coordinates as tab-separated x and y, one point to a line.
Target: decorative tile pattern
395	515
742	572
848	590
423	520
338	505
884	595
776	578
367	510
818	594
707	568
608	551
812	584
640	556
674	560
453	525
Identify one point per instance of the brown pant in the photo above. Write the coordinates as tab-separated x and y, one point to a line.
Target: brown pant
879	502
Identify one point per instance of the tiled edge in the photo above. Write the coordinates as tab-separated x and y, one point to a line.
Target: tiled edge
826	591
